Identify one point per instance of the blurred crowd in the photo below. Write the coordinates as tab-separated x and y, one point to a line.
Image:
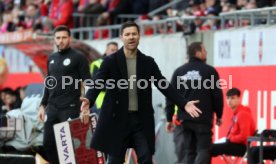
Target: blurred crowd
44	15
11	99
212	9
39	15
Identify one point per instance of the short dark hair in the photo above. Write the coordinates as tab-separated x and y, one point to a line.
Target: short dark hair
112	43
233	92
62	28
10	92
7	89
129	24
193	48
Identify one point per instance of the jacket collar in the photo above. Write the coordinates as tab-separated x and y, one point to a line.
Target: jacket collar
193	59
239	108
64	51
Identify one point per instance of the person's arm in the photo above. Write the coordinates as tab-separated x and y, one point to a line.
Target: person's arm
45	96
243	121
172	94
217	97
169	104
84	74
98	83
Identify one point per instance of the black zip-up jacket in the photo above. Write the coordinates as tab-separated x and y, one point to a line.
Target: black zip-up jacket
61	66
195	74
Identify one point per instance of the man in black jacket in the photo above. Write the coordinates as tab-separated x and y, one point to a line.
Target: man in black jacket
61	99
197	80
126	118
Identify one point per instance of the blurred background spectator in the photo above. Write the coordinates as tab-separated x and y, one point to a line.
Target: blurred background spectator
44	15
60	14
20	91
10	100
92	6
33	17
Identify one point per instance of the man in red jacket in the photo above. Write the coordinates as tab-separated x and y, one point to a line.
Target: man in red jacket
60	14
242	126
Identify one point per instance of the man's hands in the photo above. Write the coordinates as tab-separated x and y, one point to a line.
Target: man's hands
192	109
41	113
169	127
85	104
84	115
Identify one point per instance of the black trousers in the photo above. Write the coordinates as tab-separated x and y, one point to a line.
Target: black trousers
197	143
54	116
228	148
269	152
135	139
178	139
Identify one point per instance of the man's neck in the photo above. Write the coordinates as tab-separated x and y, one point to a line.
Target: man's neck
130	53
234	109
63	50
200	58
